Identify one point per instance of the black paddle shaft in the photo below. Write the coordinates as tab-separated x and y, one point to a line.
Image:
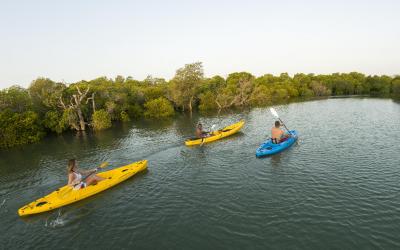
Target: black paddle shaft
87	176
284	126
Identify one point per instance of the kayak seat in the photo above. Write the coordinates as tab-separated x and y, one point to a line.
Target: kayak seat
283	139
226	130
275	141
41	203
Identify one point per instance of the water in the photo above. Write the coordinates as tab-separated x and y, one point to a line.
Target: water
338	187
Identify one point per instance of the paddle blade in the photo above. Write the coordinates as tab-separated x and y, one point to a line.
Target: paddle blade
213	127
273	112
103	165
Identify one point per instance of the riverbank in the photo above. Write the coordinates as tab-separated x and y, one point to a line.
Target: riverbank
48	107
155	124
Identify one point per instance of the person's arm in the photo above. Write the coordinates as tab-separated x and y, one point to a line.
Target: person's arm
87	172
284	134
71	180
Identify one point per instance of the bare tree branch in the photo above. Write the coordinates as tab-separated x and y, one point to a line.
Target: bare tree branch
81	96
62	103
75	103
79	91
93	103
219	105
70	100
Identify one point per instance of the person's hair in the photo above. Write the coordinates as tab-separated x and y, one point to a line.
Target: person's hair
198	125
71	165
277	124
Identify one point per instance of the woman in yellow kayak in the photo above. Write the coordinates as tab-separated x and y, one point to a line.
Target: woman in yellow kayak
76	179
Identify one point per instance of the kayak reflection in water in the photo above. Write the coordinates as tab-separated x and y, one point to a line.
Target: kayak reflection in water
277	134
75	178
200	133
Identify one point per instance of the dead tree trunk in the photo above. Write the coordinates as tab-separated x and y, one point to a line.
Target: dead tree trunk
75	105
93	104
190	104
78	102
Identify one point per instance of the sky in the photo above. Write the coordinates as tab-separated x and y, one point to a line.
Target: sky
73	40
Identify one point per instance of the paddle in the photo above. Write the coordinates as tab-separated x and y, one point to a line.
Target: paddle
274	113
212	127
202	139
103	165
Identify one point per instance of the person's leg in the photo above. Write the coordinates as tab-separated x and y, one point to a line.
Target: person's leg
93	179
99	178
90	181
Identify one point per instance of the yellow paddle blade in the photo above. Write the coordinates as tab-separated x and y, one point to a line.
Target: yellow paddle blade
103	165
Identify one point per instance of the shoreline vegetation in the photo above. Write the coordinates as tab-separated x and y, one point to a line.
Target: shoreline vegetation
48	107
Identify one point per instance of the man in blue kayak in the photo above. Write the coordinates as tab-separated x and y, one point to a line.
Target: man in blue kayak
277	134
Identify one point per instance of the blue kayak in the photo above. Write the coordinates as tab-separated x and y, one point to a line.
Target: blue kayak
269	148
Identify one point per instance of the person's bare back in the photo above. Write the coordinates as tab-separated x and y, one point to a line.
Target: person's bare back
276	133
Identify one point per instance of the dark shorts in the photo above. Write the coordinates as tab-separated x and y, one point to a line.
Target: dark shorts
283	139
204	135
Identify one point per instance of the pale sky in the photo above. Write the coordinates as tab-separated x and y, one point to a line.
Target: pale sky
74	40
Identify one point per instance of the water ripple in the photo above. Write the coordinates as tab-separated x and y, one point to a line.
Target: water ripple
338	187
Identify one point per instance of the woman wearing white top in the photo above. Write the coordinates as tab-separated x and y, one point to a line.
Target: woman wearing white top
75	176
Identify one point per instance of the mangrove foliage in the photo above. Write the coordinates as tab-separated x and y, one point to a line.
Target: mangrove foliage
49	107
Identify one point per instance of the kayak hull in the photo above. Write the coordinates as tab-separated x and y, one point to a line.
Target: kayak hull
216	135
269	148
67	195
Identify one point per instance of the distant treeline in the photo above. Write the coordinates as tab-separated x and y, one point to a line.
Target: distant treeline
26	115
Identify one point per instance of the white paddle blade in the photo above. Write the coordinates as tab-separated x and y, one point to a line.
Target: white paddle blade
273	112
213	127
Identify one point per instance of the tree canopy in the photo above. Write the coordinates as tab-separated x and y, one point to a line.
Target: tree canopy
47	107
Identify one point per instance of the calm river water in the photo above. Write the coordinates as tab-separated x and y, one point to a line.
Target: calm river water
337	188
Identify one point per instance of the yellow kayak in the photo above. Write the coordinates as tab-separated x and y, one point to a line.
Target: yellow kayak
216	135
67	195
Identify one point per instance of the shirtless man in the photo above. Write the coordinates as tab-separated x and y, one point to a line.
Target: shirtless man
277	134
200	133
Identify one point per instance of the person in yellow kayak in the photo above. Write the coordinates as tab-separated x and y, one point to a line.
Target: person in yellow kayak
277	134
200	133
76	179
